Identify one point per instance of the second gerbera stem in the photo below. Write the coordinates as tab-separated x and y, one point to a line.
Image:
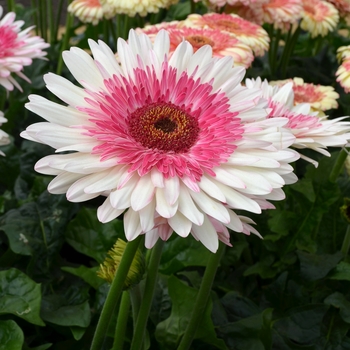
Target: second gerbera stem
202	298
114	293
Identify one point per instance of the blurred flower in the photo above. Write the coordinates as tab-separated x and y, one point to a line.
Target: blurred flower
88	11
178	143
18	48
282	13
110	266
222	43
319	97
311	132
345	209
251	12
343	52
343	75
247	32
319	17
4	138
134	7
343	6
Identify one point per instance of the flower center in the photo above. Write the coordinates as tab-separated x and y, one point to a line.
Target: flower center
164	126
197	41
228	25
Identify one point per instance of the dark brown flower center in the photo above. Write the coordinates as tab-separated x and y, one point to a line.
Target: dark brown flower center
164	126
197	41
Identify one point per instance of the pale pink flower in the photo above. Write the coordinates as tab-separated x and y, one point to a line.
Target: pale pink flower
4	137
252	13
343	6
177	143
310	131
88	11
222	43
247	32
318	17
18	48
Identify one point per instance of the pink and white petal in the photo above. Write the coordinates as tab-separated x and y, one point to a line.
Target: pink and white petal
172	189
180	224
121	198
147	216
61	183
132	226
211	189
151	238
143	193
163	208
207	234
106	213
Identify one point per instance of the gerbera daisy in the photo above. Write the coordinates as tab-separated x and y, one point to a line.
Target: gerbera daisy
343	6
134	7
281	13
319	97
88	11
318	17
18	48
222	43
343	75
177	143
252	13
343	52
311	131
4	137
247	32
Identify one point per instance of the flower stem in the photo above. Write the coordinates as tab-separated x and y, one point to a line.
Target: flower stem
122	321
114	293
346	242
338	165
152	272
202	298
64	45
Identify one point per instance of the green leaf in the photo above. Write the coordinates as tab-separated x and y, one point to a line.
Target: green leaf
249	333
90	237
77	332
316	266
180	252
306	188
262	268
169	332
339	301
87	274
20	296
302	324
341	272
40	347
70	315
11	336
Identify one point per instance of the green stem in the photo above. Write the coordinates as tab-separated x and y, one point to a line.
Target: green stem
11	5
338	166
58	19
202	298
114	34
114	293
346	242
152	272
35	16
65	43
43	18
135	297
51	21
122	321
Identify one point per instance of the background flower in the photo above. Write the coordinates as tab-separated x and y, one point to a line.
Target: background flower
4	137
89	11
18	48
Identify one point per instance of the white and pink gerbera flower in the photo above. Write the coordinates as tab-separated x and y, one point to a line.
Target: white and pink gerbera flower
17	49
4	137
88	11
310	131
177	143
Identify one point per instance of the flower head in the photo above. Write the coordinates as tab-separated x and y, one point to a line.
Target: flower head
4	137
247	32
178	143
343	6
88	11
319	17
319	97
343	75
18	48
134	7
222	43
310	131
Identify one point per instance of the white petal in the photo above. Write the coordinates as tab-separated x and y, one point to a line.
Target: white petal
163	208
132	225
106	212
172	189
206	234
143	193
180	224
61	183
121	198
151	238
211	189
147	216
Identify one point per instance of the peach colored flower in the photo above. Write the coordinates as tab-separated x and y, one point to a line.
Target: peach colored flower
222	43
343	52
319	97
253	14
247	32
282	13
319	17
134	7
343	75
88	11
343	6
